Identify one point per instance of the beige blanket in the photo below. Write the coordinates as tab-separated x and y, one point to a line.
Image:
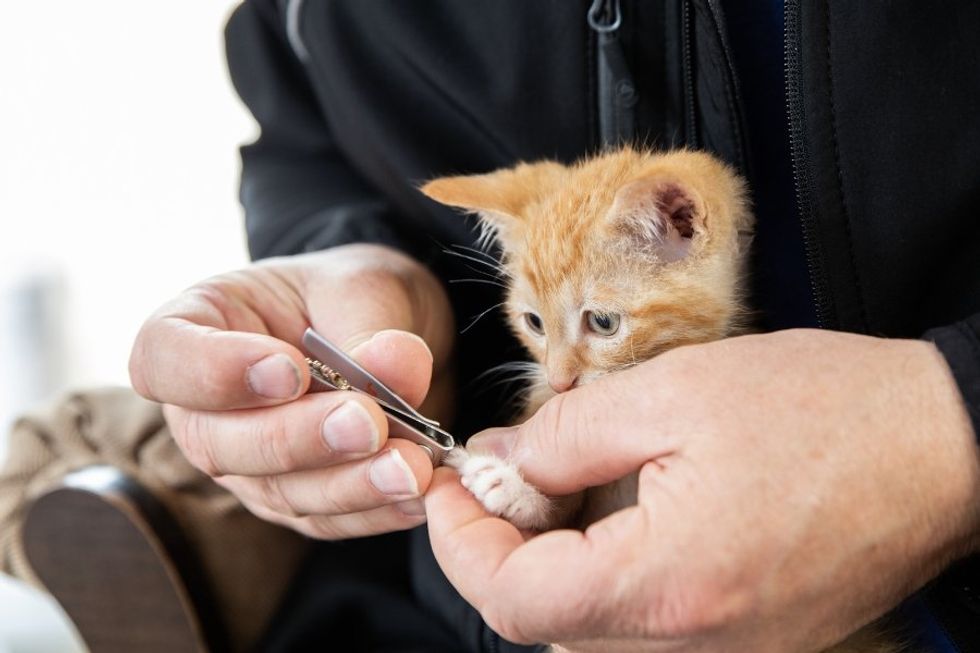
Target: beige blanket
249	562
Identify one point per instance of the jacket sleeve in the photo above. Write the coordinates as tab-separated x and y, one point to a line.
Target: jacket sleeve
298	191
960	344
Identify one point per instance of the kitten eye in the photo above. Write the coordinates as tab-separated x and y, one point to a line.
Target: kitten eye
603	324
534	323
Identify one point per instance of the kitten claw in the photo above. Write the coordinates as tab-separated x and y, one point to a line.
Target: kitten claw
501	489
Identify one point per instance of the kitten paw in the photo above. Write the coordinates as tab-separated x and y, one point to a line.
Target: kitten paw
502	490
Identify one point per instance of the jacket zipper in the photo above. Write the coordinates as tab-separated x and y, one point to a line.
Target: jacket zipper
798	153
293	13
494	643
614	84
687	36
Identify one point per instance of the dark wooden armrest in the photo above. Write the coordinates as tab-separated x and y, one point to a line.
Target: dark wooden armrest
118	564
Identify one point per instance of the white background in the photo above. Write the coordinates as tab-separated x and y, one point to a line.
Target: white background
118	188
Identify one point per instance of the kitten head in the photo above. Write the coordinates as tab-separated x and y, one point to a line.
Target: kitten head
614	259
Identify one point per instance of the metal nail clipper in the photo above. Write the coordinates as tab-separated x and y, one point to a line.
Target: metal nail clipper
336	370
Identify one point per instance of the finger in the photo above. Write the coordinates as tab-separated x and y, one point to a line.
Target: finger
587	437
314	431
185	355
523	590
386	519
399	359
400	472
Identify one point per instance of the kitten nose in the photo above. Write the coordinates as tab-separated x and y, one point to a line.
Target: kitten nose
562	383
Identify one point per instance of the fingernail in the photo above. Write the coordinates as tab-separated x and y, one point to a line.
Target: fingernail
400	334
499	442
391	475
349	429
274	377
388	338
412	507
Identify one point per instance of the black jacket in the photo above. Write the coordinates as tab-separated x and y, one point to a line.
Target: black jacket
359	101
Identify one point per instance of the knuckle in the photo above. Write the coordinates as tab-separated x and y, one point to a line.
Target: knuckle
274	444
322	528
216	292
694	609
329	501
193	438
386	284
503	625
549	420
217	383
265	514
306	529
301	525
212	381
139	361
175	416
148	355
559	427
276	498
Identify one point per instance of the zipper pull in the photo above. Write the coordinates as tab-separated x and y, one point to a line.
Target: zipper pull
616	91
605	16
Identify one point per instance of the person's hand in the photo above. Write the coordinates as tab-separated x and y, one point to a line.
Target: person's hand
793	486
222	357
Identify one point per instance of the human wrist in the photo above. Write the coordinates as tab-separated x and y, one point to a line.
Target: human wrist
950	436
959	344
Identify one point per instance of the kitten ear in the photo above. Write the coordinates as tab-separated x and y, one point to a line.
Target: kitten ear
489	196
660	214
499	197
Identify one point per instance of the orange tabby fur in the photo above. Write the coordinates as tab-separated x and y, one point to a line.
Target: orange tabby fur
567	232
659	239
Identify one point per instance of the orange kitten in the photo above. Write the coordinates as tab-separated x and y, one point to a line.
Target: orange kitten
609	262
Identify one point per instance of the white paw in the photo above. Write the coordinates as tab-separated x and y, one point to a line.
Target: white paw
499	486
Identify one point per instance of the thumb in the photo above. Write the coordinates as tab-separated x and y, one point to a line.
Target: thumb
589	436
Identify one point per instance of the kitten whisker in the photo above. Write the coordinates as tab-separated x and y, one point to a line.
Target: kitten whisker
483	272
479	317
499	272
491	282
492	264
474	250
519	371
488	235
487	259
522	366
